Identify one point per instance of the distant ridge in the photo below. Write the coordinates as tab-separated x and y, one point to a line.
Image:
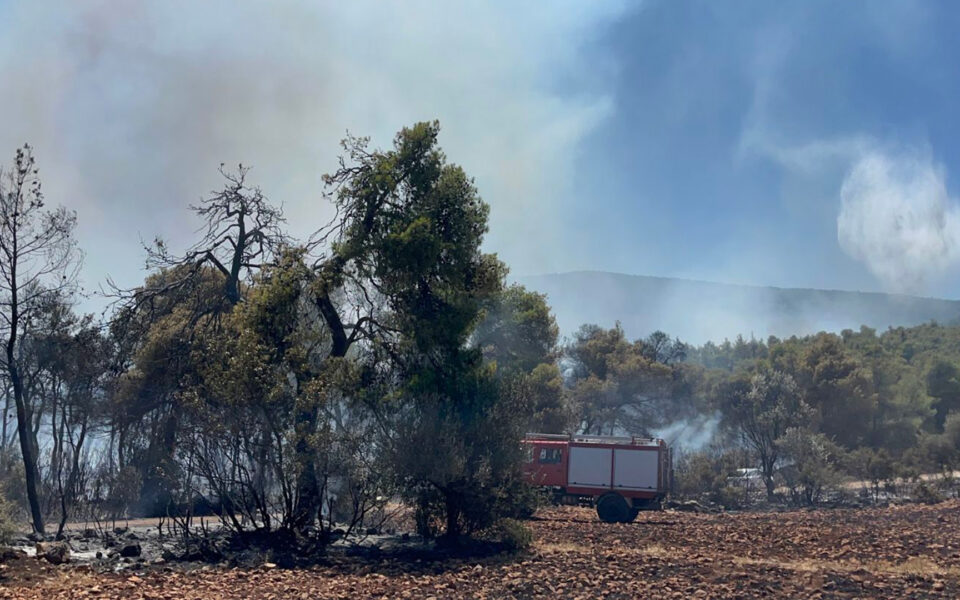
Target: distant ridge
698	311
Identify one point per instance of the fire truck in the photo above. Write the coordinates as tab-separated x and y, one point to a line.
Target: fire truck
619	475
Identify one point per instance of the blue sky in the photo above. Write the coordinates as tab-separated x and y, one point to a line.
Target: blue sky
797	144
735	125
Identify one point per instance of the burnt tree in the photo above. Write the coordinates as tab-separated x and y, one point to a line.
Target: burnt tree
38	262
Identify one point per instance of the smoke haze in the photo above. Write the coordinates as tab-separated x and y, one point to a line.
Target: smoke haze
132	106
700	311
705	143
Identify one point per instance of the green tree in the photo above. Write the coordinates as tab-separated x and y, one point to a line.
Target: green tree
837	387
943	385
622	386
405	280
812	464
519	334
156	341
762	409
403	276
158	323
518	331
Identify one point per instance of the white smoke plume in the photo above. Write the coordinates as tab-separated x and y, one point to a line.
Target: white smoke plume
691	434
897	217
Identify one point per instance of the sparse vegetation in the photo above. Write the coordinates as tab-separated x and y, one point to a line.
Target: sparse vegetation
903	552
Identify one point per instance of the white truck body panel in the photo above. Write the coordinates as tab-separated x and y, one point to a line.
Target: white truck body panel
636	469
589	467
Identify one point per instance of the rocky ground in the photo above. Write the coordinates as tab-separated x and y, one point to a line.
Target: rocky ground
910	551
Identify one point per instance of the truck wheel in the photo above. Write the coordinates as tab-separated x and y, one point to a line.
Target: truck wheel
613	508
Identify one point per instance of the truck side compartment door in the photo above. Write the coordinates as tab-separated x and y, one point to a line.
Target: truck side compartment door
590	467
636	469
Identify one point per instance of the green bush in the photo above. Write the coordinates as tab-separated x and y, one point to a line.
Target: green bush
812	465
927	494
706	475
8	520
513	535
874	466
730	497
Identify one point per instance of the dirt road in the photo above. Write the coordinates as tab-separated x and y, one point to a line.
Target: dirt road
897	552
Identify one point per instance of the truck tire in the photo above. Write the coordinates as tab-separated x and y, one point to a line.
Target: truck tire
613	508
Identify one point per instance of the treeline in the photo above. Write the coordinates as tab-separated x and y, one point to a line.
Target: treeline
804	416
815	412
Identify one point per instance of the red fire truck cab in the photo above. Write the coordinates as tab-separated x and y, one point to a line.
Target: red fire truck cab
620	475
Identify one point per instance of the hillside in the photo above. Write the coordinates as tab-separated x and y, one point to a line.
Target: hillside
698	311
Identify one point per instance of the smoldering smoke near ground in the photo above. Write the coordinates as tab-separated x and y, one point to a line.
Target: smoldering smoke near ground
691	434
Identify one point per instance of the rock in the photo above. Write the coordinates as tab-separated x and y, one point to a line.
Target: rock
99	555
56	553
689	506
8	554
131	550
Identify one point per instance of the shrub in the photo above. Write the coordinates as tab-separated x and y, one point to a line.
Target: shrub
811	468
513	535
927	494
8	520
12	489
471	476
730	496
707	475
875	466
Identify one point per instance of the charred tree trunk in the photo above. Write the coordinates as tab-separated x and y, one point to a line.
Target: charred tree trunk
156	498
308	480
309	493
71	487
452	506
30	471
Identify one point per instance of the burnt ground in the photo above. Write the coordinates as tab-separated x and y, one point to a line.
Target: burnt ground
910	551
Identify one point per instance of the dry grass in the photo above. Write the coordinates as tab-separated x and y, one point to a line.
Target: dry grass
653	550
917	565
657	551
563	548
